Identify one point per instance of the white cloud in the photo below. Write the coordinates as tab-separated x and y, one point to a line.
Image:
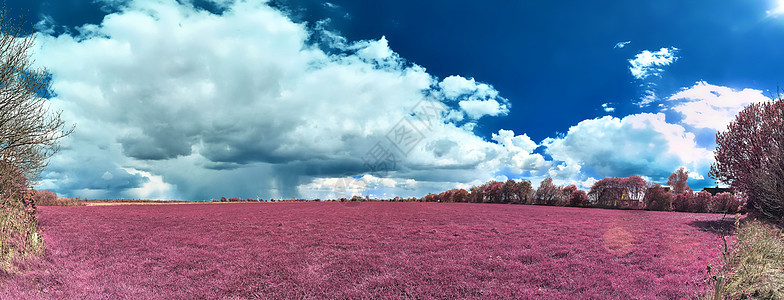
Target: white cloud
375	50
648	63
177	102
621	44
476	109
607	107
714	107
153	188
641	144
648	97
518	152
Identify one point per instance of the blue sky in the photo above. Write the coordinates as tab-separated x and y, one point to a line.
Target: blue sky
201	99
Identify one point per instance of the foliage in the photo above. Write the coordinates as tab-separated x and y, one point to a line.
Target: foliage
618	192
683	201
548	193
657	198
19	236
726	203
749	157
702	201
678	181
49	198
578	198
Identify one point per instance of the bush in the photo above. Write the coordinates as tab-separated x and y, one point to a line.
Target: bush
578	198
750	158
683	202
49	198
702	201
19	236
726	203
754	268
657	198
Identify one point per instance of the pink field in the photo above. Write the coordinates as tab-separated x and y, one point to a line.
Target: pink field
378	250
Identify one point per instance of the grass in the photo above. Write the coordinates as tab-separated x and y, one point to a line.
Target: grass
754	265
19	235
368	250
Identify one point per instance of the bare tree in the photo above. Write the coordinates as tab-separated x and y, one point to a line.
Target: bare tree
29	132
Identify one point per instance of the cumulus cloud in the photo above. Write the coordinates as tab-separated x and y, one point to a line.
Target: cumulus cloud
607	107
476	109
176	102
173	101
641	144
647	63
475	99
519	152
713	107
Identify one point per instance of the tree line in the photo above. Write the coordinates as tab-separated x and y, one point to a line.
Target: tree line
632	192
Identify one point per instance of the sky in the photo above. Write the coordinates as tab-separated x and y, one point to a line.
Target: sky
201	99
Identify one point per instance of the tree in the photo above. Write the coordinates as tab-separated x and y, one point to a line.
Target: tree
547	193
524	191
749	157
607	192
578	198
657	198
477	194
508	191
635	187
29	133
683	202
677	181
725	203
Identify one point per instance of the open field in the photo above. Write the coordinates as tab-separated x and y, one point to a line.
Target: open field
362	250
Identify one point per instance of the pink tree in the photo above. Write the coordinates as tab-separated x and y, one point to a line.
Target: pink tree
524	191
657	198
607	192
578	198
702	201
749	157
547	193
678	181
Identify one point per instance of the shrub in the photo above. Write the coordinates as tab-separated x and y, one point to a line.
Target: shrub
657	198
19	236
754	267
750	158
49	198
726	203
683	202
578	198
702	202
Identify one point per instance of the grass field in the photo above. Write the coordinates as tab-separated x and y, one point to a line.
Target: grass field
363	250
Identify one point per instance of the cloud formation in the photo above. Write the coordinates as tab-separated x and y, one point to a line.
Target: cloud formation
713	107
173	101
176	102
640	144
647	63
